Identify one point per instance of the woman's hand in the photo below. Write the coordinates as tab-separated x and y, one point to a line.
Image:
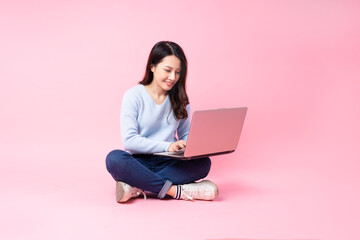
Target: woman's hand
176	146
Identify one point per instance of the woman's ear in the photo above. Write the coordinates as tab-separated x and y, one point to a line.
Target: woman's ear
152	68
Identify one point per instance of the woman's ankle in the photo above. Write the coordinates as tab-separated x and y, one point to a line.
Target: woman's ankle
172	191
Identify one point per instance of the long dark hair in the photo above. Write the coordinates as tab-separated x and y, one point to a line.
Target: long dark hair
178	97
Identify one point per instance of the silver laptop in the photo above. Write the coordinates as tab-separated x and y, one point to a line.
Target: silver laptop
212	132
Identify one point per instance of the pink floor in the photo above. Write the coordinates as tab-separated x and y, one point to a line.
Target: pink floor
279	192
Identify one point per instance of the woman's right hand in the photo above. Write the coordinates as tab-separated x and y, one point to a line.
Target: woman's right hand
177	146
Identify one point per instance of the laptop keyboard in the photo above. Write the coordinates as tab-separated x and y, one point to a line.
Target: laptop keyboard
181	152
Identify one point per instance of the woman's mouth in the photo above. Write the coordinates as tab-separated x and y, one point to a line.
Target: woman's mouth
169	84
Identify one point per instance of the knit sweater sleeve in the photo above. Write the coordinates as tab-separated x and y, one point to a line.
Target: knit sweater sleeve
133	142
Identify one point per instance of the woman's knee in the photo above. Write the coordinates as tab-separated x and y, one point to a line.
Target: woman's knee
114	159
204	165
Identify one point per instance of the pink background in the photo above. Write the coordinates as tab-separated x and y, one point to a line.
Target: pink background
64	66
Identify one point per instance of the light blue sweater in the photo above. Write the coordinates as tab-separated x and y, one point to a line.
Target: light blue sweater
147	127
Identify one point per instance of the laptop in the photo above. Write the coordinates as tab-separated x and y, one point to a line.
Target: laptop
212	132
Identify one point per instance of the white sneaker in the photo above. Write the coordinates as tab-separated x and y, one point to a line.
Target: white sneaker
204	190
124	192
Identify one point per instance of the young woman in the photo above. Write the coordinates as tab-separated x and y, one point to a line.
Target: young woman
155	118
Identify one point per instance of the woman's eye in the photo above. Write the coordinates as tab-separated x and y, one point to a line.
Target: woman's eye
177	72
167	70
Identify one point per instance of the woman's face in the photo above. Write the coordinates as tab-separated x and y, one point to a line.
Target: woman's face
167	72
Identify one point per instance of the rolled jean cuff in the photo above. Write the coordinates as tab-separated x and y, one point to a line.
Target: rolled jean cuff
164	189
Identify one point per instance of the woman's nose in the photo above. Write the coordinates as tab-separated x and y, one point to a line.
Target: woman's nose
172	76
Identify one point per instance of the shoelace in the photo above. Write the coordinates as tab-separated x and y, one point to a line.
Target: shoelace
138	192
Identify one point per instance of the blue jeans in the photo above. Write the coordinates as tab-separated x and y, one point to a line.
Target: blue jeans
155	174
